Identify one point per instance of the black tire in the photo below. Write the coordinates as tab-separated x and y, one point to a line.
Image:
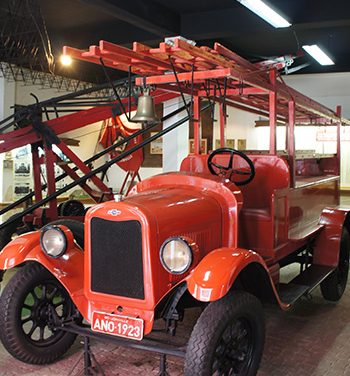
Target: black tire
6	233
76	227
72	208
334	285
43	344
228	337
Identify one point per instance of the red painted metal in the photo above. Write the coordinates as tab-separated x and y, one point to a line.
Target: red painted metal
50	160
291	140
273	112
339	124
223	119
197	132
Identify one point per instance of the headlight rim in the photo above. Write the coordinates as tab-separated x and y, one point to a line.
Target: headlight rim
184	240
58	229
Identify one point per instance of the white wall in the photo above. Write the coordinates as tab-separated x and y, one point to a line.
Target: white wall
7	100
175	143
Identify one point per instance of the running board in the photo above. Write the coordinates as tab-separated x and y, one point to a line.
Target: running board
304	283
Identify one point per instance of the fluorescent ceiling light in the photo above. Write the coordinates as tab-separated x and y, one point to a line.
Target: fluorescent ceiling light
265	12
319	55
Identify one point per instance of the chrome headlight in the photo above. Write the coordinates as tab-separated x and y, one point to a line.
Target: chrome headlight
176	255
53	241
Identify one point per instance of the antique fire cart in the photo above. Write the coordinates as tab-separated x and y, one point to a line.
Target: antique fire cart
217	234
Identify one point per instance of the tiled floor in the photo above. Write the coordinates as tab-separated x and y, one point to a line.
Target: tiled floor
311	340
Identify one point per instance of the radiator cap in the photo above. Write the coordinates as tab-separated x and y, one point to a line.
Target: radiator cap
118	197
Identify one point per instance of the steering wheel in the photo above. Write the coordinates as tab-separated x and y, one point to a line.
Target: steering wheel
228	171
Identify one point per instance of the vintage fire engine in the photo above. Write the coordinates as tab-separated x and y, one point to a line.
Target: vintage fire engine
216	234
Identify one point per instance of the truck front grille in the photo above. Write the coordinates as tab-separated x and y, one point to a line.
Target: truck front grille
116	258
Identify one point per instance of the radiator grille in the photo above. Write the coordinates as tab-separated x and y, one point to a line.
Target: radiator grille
116	258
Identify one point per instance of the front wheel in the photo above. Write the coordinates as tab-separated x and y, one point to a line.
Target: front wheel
228	338
27	306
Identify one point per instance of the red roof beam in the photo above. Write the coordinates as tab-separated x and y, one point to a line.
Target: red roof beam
158	64
187	76
109	60
234	92
75	53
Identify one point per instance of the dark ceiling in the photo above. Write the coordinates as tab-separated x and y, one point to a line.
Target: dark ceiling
80	23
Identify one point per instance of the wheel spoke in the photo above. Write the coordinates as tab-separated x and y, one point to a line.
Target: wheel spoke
43	292
27	319
230	163
53	293
220	167
26	306
240	172
32	330
41	335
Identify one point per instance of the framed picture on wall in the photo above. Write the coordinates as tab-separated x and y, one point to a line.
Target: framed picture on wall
241	144
156	146
230	143
204	146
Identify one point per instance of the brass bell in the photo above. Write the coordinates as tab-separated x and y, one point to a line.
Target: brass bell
146	112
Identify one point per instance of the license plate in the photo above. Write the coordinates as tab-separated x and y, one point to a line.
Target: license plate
117	325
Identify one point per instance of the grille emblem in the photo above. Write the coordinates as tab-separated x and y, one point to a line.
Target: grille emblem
114	212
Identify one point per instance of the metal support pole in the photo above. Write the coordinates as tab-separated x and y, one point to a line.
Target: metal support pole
338	156
36	173
223	119
273	112
50	159
291	141
197	134
163	366
87	356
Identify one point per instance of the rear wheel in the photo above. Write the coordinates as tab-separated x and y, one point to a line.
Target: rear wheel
228	338
334	285
29	305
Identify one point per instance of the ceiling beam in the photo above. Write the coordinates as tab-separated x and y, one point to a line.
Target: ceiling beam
150	16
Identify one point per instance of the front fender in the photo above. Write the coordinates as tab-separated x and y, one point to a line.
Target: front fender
68	269
215	274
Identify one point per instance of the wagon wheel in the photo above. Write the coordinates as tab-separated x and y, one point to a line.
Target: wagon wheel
29	305
334	285
229	171
228	338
